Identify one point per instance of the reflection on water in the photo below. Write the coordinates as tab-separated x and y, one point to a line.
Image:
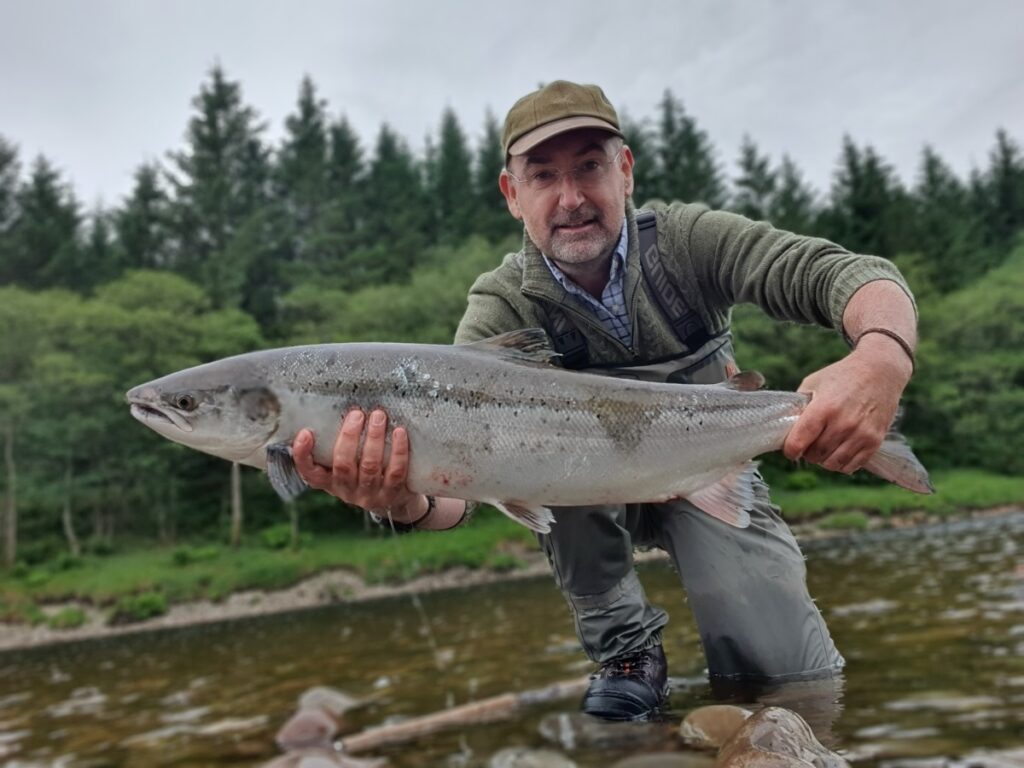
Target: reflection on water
931	622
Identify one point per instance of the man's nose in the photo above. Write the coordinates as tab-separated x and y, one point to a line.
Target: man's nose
570	196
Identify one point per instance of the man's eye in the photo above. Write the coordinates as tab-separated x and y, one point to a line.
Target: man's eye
543	177
590	166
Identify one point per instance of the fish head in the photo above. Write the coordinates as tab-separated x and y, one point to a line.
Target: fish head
209	408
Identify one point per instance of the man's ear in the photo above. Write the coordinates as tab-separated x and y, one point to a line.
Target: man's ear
626	164
511	194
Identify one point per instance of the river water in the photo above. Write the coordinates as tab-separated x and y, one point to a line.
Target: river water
931	621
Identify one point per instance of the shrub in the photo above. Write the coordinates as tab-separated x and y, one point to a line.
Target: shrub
36	552
100	547
37	577
188	555
139	607
273	575
280	537
852	521
67	618
503	562
67	562
800	480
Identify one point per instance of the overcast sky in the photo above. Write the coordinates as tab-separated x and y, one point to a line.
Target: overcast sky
100	86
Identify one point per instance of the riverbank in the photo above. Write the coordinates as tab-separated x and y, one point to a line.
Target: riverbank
343	585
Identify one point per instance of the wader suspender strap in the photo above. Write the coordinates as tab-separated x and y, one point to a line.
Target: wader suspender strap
685	323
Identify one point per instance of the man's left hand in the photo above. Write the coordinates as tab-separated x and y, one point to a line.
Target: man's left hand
853	403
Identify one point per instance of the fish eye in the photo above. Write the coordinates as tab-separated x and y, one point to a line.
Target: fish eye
185	402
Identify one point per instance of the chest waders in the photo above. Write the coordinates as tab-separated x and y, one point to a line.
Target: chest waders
746	587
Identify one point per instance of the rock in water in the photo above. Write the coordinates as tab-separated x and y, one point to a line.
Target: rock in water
521	757
776	738
710	727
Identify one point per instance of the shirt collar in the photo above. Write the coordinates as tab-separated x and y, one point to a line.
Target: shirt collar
618	267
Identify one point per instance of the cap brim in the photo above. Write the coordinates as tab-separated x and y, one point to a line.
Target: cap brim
528	141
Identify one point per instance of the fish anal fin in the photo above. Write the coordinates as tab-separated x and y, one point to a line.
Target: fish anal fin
284	477
528	345
535	518
730	498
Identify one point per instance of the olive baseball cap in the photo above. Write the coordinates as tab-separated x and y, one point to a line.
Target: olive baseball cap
556	108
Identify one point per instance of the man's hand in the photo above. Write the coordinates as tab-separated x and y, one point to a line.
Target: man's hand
853	403
367	478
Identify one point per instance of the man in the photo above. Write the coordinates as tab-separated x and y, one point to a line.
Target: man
664	314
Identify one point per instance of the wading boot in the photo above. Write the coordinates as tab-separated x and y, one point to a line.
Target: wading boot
633	686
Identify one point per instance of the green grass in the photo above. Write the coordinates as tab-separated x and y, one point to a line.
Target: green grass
954	490
378	559
211	571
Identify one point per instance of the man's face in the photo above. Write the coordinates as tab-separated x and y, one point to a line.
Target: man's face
575	220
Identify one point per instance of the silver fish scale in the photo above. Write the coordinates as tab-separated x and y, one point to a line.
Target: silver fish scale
484	428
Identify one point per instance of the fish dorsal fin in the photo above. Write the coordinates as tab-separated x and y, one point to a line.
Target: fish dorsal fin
528	345
744	381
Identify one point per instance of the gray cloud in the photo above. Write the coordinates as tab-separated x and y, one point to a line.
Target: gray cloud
102	86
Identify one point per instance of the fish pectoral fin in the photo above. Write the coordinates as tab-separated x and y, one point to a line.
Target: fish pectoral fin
729	499
535	518
529	346
284	478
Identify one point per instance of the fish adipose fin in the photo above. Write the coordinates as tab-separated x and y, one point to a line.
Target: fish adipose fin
895	462
530	346
537	519
729	499
284	478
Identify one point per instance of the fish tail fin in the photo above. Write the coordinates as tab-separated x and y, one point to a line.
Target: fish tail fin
284	477
535	518
895	462
730	498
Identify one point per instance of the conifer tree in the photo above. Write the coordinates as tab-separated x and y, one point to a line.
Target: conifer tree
792	204
452	187
9	170
1004	185
337	231
869	210
143	224
687	169
756	183
301	172
492	217
641	142
44	248
948	230
220	181
100	255
397	217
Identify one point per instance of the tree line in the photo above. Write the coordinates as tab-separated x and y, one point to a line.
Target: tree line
231	244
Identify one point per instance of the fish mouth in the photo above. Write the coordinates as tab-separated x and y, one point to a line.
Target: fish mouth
153	417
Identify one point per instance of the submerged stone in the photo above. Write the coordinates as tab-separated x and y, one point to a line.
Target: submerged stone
710	727
667	760
522	757
575	730
776	738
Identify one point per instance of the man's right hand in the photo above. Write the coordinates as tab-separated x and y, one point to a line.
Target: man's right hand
368	478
